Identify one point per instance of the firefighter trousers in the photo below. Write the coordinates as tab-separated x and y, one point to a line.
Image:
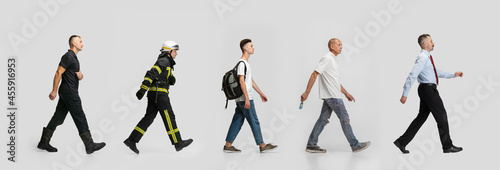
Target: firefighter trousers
160	105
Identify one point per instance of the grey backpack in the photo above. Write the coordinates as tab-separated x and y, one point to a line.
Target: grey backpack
231	84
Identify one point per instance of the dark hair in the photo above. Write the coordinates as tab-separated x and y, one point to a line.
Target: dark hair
422	38
244	42
71	39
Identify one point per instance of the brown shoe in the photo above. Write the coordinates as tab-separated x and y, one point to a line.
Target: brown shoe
362	146
268	147
230	149
315	149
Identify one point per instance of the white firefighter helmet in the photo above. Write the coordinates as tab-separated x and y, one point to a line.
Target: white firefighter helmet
169	46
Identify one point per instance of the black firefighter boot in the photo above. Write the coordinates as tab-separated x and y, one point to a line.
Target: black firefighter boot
131	141
44	141
182	144
131	145
90	146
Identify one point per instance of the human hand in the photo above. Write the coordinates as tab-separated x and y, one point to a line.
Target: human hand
459	74
304	96
171	80
52	95
263	97
247	104
350	97
403	99
79	75
140	93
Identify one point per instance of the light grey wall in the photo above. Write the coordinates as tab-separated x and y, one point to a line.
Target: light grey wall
122	38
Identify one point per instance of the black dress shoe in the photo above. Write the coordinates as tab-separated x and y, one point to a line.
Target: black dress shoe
453	149
401	147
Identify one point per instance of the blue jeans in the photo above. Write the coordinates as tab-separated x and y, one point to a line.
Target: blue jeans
329	105
239	116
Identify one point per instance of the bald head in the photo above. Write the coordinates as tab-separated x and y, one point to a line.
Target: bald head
335	46
331	42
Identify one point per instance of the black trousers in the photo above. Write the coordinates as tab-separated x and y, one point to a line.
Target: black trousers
69	102
430	101
163	106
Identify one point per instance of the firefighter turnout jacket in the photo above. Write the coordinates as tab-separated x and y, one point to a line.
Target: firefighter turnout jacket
159	78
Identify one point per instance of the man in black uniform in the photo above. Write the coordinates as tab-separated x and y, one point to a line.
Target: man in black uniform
157	81
69	100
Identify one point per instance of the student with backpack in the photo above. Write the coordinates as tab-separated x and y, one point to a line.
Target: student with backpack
244	105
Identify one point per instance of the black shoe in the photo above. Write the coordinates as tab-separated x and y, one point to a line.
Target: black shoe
131	145
45	139
401	147
182	144
453	149
90	146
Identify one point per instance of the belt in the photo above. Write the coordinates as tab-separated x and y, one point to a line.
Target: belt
159	89
428	85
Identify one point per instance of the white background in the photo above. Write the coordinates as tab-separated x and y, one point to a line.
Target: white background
122	38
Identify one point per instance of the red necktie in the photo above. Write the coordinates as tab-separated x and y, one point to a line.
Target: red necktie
437	80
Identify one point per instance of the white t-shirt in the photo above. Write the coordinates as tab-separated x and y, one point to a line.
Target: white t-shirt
329	77
248	80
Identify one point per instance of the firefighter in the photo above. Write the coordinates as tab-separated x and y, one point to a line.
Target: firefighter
157	82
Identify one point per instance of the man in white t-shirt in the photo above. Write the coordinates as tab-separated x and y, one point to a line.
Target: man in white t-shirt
330	90
244	105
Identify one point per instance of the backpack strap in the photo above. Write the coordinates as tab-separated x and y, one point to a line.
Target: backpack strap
236	67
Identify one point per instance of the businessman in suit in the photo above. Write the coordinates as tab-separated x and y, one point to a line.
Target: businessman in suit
426	73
